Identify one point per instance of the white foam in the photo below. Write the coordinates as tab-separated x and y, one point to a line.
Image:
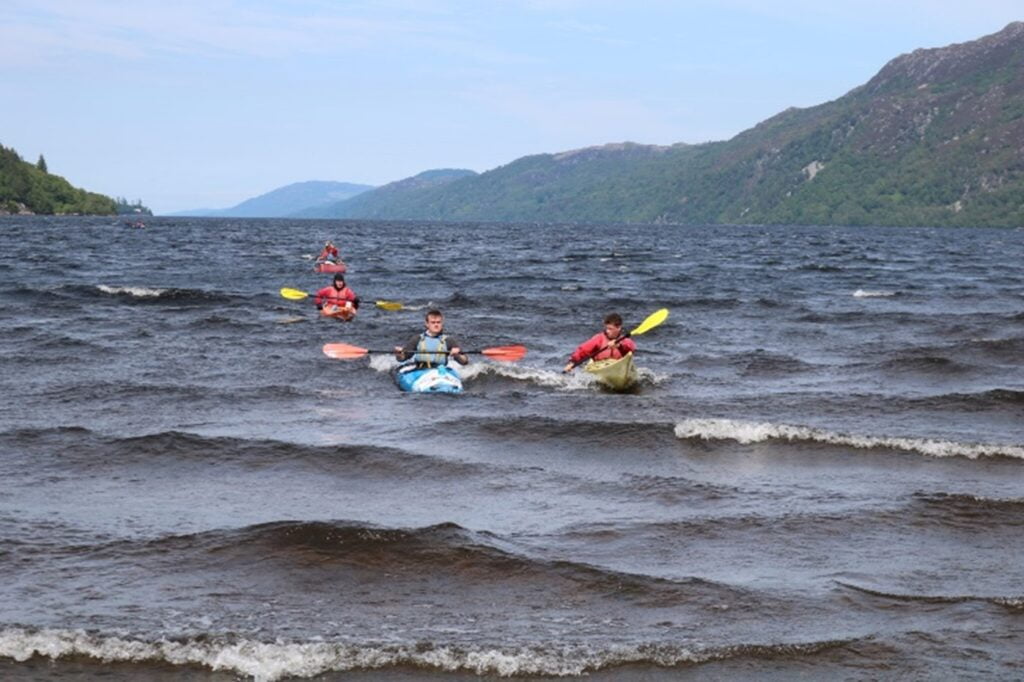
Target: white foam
539	377
271	661
1015	602
868	293
138	292
382	362
759	432
548	378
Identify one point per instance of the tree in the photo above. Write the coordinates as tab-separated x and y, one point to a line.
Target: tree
41	164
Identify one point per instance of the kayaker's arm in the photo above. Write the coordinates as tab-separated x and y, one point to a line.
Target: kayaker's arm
402	353
456	353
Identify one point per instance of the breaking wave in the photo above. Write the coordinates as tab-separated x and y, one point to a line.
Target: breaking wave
137	292
760	432
271	661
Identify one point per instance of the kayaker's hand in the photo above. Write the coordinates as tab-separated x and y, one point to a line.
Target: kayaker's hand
399	352
455	351
569	367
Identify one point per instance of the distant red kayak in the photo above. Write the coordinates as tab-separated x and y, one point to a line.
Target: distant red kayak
330	267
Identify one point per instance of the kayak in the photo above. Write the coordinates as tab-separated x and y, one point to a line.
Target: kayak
345	313
329	267
441	379
617	374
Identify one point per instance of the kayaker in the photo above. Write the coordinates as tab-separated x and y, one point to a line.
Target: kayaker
336	294
329	253
433	347
610	343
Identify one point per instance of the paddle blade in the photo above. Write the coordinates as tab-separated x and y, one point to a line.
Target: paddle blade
293	294
389	305
505	353
343	351
652	321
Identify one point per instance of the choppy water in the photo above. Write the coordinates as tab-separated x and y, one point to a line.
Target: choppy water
821	474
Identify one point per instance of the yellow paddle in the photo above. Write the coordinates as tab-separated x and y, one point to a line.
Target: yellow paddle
293	294
652	321
298	295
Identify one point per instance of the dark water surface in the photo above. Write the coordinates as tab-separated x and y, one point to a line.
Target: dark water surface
821	474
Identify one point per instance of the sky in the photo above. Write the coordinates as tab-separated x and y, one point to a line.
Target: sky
205	103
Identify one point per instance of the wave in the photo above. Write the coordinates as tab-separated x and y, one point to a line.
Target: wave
1013	603
922	362
145	294
819	267
1008	349
137	292
84	448
995	398
601	432
188	393
760	432
765	363
712	302
874	293
952	356
453	559
272	661
965	511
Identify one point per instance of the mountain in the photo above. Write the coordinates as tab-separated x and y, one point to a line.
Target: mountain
286	200
30	188
392	197
935	138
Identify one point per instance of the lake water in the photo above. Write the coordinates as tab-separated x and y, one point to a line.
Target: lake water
821	473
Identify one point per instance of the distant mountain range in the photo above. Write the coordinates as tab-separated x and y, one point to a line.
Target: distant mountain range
935	138
384	201
286	201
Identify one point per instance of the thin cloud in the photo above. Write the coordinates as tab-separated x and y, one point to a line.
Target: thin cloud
224	28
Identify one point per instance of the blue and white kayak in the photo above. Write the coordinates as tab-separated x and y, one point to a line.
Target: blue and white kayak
441	379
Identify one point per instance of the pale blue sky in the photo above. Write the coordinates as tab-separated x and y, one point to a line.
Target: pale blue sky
205	103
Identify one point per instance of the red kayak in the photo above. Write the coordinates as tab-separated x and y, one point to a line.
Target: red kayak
330	267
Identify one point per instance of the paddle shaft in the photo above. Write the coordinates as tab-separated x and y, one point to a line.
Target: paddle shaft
344	351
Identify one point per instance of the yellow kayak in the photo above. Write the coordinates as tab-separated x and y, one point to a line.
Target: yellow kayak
617	374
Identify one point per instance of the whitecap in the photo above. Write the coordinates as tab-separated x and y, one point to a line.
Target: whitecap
869	293
272	661
138	292
759	432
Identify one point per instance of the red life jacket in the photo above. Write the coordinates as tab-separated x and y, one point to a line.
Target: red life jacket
331	295
597	348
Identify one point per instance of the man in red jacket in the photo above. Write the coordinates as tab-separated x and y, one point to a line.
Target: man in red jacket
329	254
337	300
611	343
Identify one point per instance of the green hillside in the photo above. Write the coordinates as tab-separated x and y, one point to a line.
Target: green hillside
935	138
29	188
